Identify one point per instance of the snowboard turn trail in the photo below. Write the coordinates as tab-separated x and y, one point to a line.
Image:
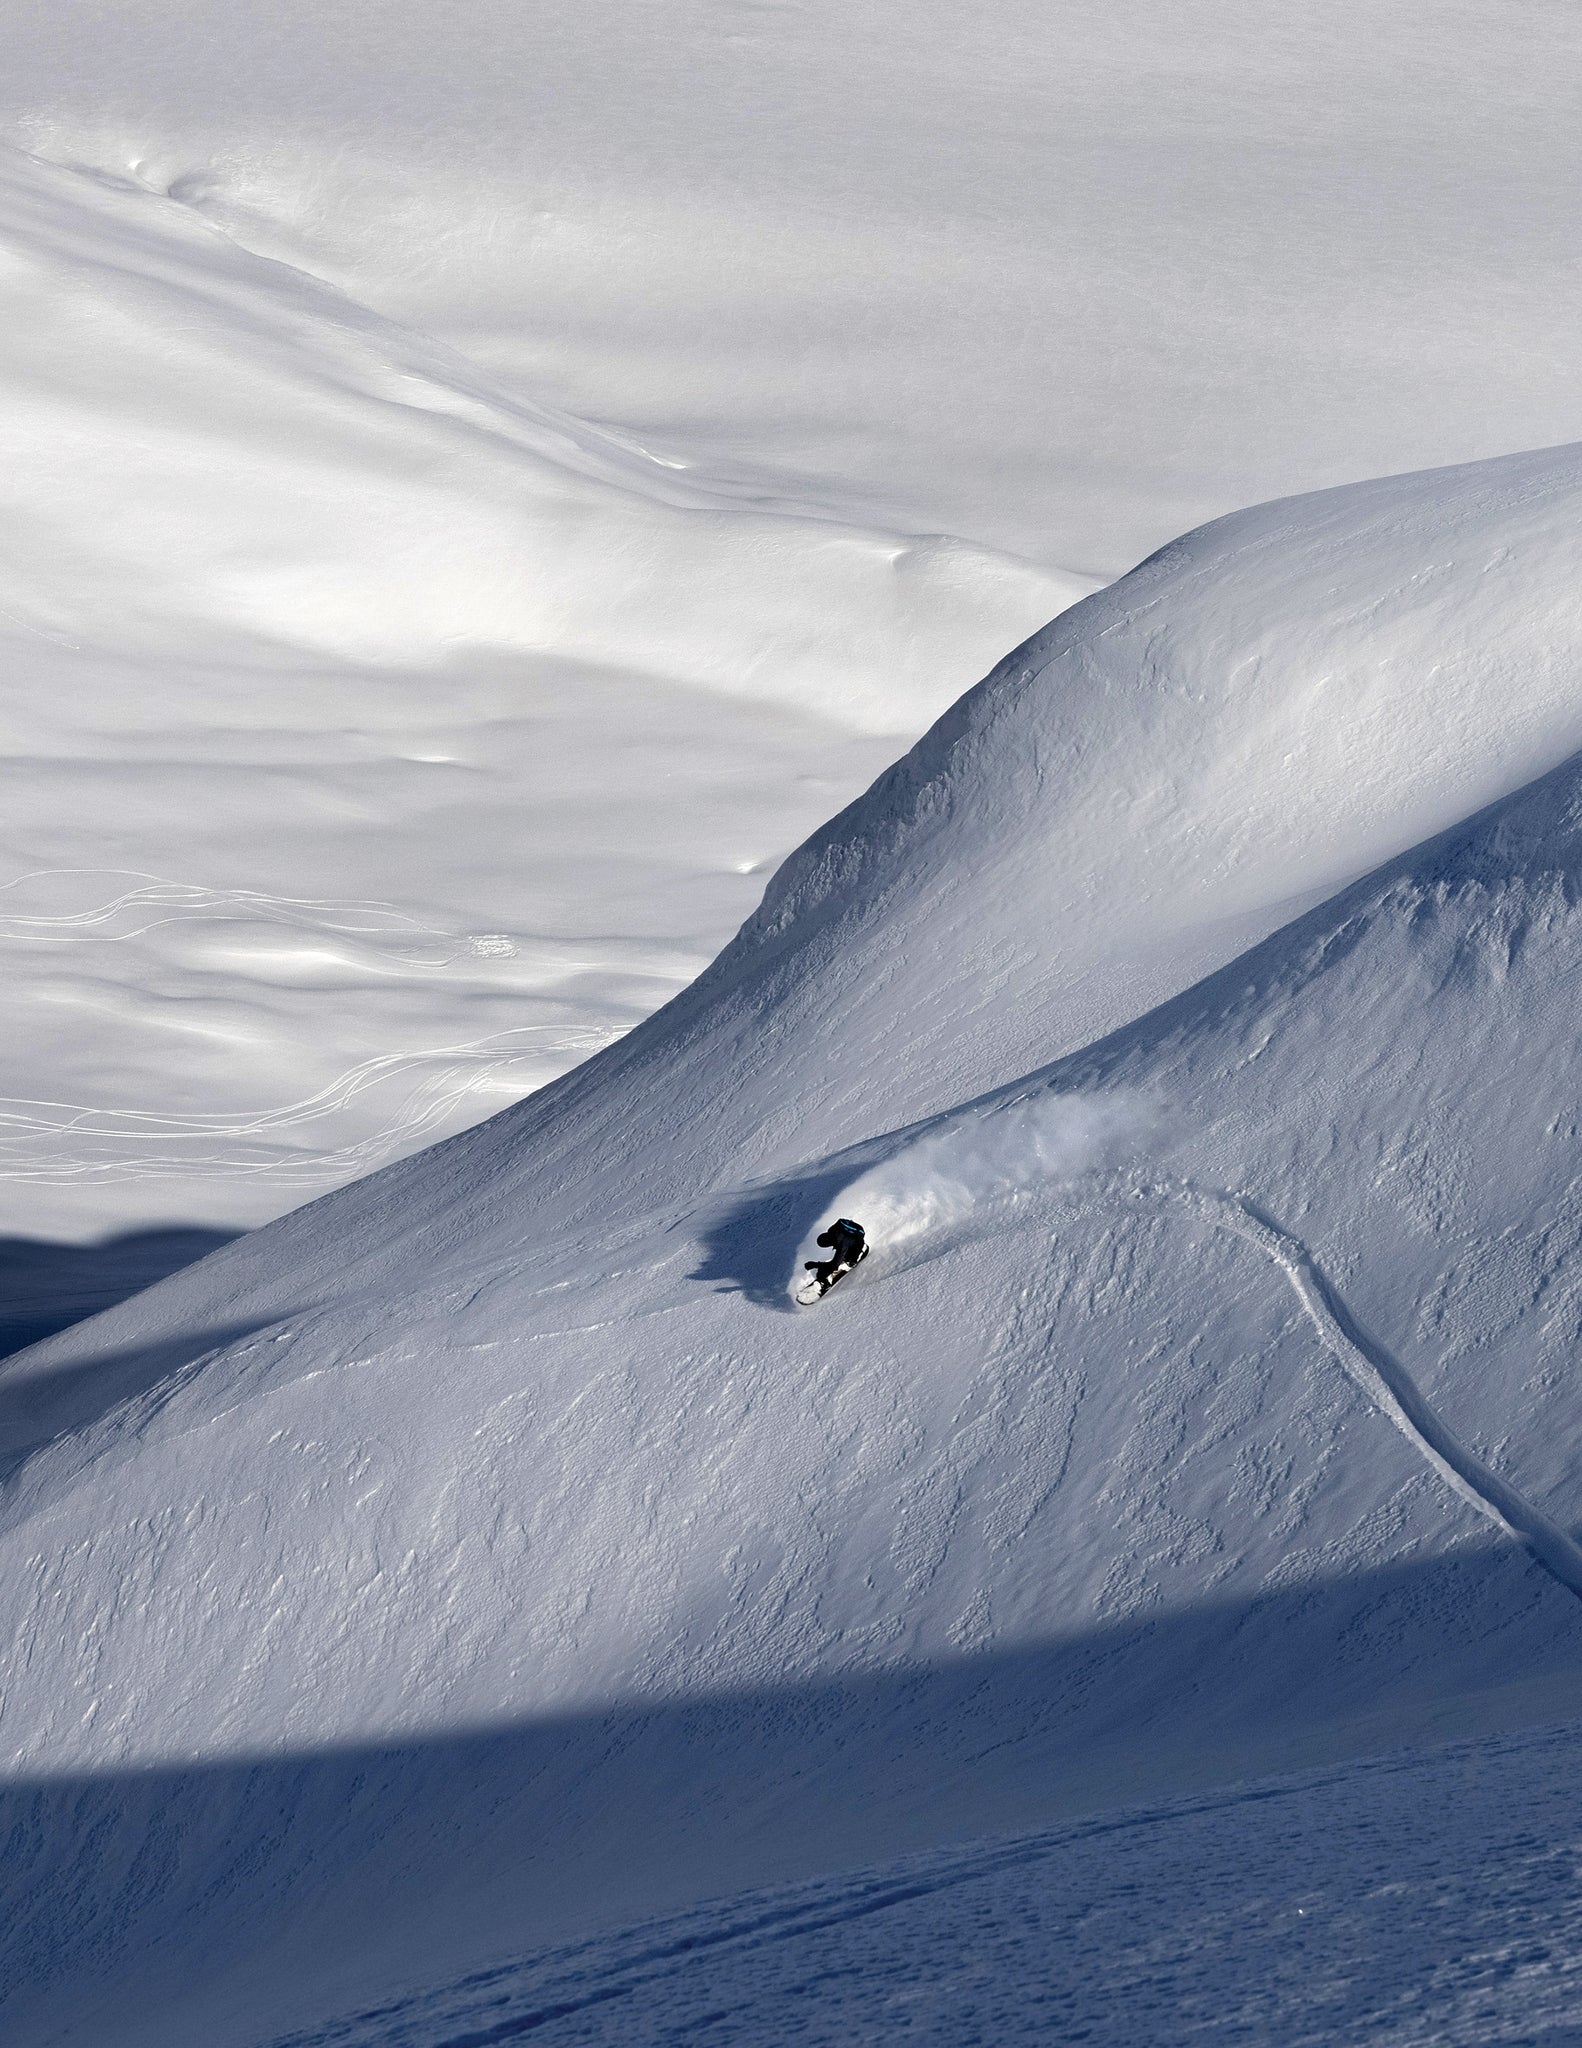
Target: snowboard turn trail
1376	1372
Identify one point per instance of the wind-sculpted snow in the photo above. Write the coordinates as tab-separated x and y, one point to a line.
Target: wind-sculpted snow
1251	719
505	475
402	506
1382	1378
957	1175
1066	283
488	1553
1165	774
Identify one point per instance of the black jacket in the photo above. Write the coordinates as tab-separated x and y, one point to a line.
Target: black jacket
847	1240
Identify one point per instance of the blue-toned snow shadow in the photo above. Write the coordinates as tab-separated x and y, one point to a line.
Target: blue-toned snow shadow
221	1900
37	1406
751	1245
45	1287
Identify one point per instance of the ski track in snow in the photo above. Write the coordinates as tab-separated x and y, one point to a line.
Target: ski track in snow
940	1181
1377	1373
369	921
61	1144
833	1904
116	1144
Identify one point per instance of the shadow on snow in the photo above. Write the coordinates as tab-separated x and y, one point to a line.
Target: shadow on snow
227	1901
46	1287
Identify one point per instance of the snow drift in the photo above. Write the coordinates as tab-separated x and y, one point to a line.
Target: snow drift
1062	281
391	403
485	1554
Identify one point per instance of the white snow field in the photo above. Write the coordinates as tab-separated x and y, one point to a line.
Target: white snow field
379	743
1063	280
478	486
479	482
489	1558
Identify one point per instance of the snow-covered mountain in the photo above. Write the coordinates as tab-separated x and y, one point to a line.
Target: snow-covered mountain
480	485
381	741
490	1552
1420	1900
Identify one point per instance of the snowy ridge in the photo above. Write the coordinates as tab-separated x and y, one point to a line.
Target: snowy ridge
522	471
495	1529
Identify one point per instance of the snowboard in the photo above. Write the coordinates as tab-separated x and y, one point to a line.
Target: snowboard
810	1288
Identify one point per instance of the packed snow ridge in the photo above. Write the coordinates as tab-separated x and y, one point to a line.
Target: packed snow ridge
491	1553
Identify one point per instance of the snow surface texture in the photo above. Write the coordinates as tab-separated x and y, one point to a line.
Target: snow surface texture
490	1554
439	445
1064	281
1416	1902
379	743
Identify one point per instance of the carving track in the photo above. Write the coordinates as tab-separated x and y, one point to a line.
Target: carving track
1379	1375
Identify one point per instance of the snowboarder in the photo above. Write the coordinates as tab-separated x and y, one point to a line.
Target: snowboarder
847	1243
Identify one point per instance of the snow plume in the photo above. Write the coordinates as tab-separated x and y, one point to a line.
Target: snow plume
934	1182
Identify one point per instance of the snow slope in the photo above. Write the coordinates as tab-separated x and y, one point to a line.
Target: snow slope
1063	281
475	481
379	743
1419	1901
489	1553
